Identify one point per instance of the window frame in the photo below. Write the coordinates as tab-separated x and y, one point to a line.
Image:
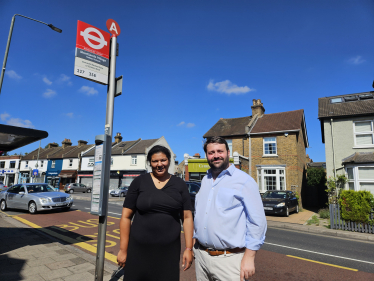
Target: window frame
261	177
229	143
356	180
2	164
53	164
27	164
70	162
134	157
363	133
266	142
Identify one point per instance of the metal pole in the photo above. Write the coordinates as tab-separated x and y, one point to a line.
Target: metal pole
6	52
100	254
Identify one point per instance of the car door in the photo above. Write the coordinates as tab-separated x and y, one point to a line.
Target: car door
76	187
18	199
293	200
83	187
11	193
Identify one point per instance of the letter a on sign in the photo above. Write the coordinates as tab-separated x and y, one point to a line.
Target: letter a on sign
113	27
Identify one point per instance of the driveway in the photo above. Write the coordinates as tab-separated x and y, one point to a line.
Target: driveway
299	218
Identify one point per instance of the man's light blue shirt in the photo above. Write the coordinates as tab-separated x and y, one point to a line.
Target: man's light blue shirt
229	211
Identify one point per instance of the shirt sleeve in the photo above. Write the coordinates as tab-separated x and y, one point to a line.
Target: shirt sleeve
132	194
185	196
256	221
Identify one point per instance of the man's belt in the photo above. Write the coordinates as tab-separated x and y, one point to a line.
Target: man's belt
215	252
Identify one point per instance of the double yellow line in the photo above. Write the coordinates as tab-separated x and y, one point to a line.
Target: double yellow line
328	264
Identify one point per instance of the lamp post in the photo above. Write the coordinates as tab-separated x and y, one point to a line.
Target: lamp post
10	37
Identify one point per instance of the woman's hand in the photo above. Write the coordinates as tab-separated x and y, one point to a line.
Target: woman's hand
187	259
121	258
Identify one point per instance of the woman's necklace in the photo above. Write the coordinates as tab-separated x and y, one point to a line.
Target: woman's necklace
159	181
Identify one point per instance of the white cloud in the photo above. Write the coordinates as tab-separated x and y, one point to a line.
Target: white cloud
45	80
181	123
356	60
49	93
64	78
190	125
227	87
12	74
89	91
70	114
5	117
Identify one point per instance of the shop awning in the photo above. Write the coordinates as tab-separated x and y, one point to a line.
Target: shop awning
67	174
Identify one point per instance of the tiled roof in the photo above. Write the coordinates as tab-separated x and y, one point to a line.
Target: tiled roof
44	153
278	122
229	127
140	147
60	152
123	146
317	164
74	153
359	157
346	108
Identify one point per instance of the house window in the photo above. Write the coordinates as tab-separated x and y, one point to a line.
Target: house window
360	178
364	134
271	178
27	164
2	164
53	165
71	163
229	142
270	146
12	164
41	164
134	159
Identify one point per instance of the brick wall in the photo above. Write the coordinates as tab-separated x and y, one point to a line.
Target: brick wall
290	151
237	145
244	163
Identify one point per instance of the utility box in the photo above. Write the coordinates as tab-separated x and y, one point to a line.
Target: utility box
101	174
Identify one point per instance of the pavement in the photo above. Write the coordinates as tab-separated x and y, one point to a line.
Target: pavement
29	254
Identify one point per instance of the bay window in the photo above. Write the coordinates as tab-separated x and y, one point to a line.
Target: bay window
360	178
271	178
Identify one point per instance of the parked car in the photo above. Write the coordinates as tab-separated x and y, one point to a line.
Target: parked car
34	197
280	202
193	189
120	192
77	187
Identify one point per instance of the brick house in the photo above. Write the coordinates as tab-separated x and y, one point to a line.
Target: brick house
278	141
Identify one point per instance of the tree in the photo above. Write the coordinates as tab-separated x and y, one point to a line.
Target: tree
316	177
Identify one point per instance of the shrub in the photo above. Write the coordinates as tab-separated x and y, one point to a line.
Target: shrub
356	205
334	185
324	213
313	220
316	177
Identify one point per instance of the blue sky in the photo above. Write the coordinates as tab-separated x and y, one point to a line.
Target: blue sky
185	65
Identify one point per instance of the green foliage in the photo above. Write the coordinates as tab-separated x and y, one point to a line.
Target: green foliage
315	177
334	185
313	220
324	213
356	205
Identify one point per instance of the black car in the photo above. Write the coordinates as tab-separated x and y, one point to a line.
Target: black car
193	189
280	202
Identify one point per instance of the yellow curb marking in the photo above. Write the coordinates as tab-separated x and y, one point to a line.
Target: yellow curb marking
329	264
83	245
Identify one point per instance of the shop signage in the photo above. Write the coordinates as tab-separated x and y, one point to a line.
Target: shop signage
92	53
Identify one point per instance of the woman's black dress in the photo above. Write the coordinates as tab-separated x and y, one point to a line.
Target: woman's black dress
154	244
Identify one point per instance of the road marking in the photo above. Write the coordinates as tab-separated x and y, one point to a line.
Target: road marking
115	213
329	264
83	245
88	208
319	253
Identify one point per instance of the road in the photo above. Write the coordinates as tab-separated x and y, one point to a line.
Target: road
286	255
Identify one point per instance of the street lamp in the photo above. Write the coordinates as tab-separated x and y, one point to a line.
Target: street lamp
10	37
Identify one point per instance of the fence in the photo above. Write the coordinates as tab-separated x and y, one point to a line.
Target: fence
336	222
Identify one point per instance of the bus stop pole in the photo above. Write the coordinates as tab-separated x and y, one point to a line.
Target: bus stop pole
100	254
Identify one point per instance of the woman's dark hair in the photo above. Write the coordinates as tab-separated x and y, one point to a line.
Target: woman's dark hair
215	140
158	149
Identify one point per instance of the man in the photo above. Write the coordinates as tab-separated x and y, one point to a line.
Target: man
230	222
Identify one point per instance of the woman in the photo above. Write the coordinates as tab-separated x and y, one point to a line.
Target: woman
150	248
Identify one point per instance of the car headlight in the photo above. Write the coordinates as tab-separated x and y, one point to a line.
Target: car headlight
69	198
280	205
45	200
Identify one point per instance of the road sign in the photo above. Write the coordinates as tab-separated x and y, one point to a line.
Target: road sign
113	27
92	53
35	172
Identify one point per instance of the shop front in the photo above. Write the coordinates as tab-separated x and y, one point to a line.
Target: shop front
67	176
53	179
197	169
8	176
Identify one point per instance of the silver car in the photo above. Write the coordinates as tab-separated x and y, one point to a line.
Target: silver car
34	197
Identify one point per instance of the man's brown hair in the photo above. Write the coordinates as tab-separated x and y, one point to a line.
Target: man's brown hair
215	140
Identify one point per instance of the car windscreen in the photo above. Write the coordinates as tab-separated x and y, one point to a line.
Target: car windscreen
39	188
275	195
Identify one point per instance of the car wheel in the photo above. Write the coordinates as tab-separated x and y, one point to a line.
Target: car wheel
297	209
287	212
88	190
3	205
32	207
122	194
71	191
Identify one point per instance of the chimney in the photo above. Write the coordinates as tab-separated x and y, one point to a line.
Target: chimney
197	155
52	144
257	108
66	143
81	143
118	138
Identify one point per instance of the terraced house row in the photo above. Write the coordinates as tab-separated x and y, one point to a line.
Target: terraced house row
59	165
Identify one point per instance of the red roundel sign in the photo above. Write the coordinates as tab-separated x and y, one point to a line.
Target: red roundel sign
113	27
